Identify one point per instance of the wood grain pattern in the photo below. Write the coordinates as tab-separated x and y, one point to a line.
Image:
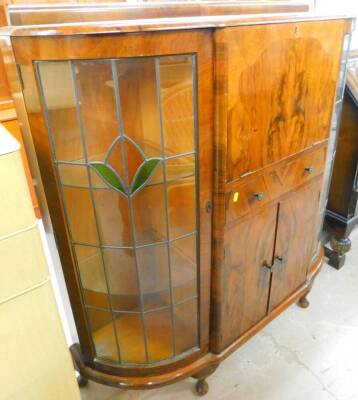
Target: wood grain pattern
275	102
47	14
297	226
5	93
273	182
167	24
248	247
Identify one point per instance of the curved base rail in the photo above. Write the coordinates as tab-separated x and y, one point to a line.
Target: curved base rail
202	367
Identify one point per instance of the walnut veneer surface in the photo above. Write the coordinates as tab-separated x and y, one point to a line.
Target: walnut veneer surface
244	111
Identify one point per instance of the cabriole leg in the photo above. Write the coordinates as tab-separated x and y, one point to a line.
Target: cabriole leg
202	387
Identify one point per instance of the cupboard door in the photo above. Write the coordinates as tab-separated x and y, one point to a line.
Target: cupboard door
296	229
248	248
123	144
275	82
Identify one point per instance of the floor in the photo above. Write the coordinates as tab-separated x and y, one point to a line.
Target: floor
304	354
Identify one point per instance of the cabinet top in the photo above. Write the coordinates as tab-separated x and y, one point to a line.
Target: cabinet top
53	20
67	13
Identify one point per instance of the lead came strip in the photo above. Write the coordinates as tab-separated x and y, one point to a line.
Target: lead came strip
124	157
84	146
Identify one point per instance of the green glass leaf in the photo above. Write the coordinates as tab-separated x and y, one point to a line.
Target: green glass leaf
108	175
144	173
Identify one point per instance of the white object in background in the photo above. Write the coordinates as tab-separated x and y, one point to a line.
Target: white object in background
35	361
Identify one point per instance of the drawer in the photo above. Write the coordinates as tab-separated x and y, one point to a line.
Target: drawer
251	193
291	174
246	198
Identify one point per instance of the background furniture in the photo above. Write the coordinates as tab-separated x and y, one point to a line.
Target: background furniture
8	118
36	361
342	210
185	163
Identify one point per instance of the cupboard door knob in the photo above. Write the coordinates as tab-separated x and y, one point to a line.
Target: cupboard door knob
260	196
279	258
309	170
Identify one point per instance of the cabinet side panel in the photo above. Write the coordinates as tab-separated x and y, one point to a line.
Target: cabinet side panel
276	82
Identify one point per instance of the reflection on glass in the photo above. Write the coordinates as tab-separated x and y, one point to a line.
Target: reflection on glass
159	331
61	110
80	213
73	175
149	215
123	137
180	167
184	274
103	334
182	207
90	264
97	106
176	92
139	105
113	217
122	278
131	338
154	275
186	329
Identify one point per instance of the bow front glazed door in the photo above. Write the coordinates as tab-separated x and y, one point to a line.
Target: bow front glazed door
128	140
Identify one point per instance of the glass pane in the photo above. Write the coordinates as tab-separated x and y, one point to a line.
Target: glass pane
184	268
149	215
181	204
89	260
342	71
130	338
186	330
122	278
176	92
103	334
139	103
80	213
97	106
121	207
73	175
154	275
180	167
113	217
159	333
61	106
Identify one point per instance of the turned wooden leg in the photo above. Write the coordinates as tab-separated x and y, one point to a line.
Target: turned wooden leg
75	353
202	387
337	255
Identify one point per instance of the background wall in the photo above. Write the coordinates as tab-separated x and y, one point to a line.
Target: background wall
340	6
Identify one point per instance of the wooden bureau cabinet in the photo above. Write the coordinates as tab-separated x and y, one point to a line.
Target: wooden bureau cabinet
184	164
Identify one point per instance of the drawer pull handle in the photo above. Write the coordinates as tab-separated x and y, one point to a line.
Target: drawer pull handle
309	170
259	196
268	266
